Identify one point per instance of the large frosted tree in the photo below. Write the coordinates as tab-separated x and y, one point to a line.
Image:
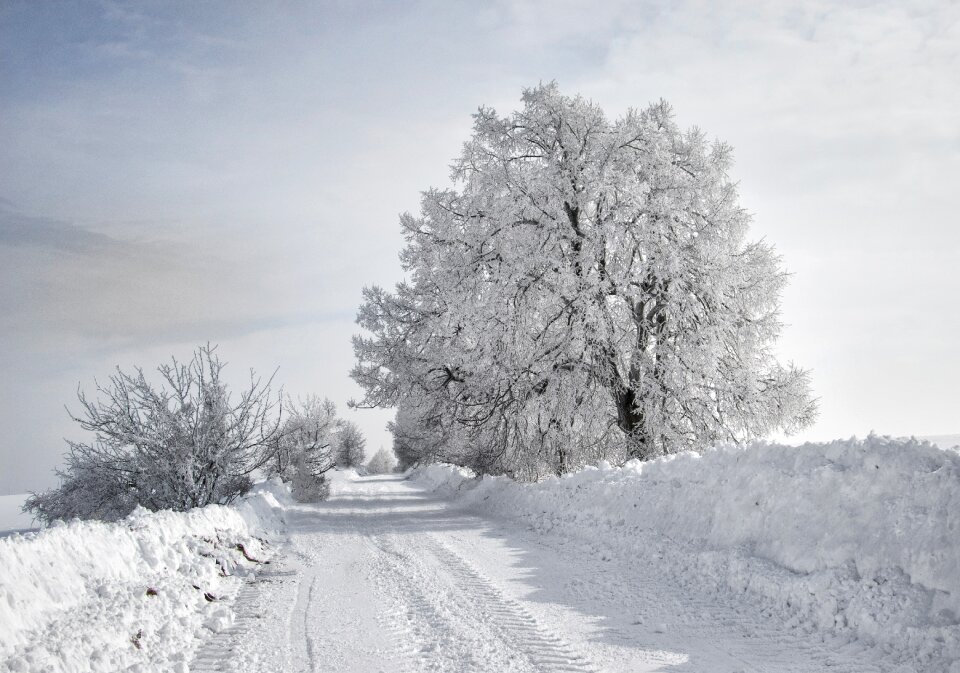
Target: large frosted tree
586	290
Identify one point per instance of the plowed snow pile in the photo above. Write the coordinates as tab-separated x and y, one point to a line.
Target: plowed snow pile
132	595
856	538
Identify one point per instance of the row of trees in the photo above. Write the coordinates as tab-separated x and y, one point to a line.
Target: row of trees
587	291
310	442
185	442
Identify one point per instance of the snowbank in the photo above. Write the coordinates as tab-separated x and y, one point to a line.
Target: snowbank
91	596
451	479
860	538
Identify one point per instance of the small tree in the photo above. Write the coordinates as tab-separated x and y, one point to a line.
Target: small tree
383	462
183	444
350	445
306	448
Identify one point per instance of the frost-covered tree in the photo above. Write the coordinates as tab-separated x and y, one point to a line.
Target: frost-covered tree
383	462
416	440
185	443
351	445
587	290
306	447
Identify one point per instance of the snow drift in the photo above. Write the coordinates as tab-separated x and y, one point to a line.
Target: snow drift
857	537
98	596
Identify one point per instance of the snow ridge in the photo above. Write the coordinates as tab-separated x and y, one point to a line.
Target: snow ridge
93	596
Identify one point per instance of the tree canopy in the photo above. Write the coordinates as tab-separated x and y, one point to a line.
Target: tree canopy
585	290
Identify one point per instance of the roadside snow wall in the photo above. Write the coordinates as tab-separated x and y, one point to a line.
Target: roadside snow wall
857	537
91	596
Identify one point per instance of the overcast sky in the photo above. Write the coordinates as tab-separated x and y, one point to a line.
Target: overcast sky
178	173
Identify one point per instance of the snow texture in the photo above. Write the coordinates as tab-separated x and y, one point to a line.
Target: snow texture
132	595
857	538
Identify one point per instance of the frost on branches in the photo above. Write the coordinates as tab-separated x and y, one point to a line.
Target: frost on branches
383	462
313	440
586	291
306	448
183	444
351	445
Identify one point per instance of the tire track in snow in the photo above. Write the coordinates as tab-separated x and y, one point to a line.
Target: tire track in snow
300	632
217	653
742	630
647	607
469	624
546	651
336	621
391	621
440	630
228	649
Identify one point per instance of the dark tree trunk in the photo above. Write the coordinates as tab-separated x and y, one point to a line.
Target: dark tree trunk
561	461
632	421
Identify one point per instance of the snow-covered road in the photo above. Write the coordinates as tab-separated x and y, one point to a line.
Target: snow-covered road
388	577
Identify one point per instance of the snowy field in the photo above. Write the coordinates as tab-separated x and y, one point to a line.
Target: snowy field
838	557
12	519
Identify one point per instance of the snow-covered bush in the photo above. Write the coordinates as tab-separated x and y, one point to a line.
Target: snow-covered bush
312	441
306	448
383	462
181	445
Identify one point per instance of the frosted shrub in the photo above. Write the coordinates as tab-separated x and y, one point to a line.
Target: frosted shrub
185	443
307	448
